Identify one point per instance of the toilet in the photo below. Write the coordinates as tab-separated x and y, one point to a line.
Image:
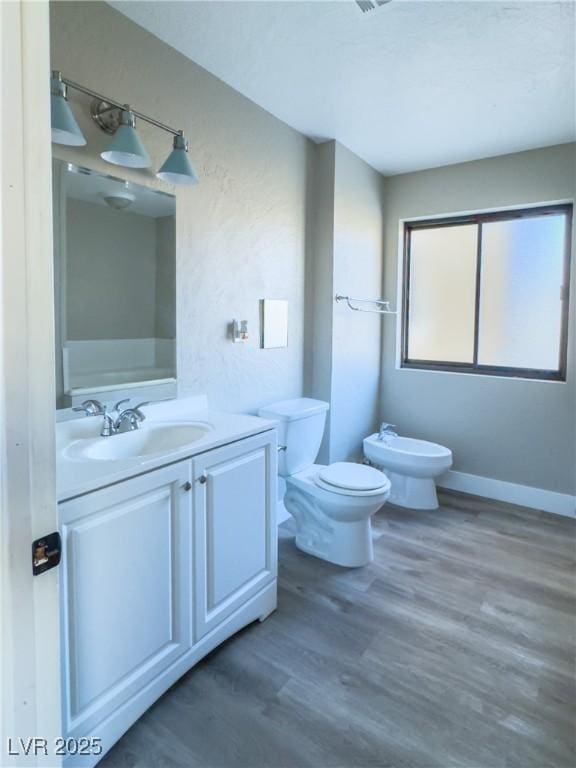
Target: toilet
411	465
331	505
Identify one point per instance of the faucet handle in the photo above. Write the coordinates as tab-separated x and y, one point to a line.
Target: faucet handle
91	408
121	402
137	410
388	430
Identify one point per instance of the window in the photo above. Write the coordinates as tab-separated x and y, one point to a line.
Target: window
488	293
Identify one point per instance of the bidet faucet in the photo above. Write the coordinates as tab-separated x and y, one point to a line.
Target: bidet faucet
387	430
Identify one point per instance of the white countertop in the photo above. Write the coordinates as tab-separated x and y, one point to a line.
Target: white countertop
75	477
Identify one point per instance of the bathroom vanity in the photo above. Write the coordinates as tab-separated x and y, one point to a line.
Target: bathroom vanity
169	540
169	547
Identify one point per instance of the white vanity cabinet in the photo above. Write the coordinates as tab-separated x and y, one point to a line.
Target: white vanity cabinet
158	570
235	532
126	590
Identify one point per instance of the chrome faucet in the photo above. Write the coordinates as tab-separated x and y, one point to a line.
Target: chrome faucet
96	408
387	430
126	420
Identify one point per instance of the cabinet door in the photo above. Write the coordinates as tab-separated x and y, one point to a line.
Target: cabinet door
235	526
126	587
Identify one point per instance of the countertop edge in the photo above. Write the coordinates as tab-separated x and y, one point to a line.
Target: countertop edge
130	470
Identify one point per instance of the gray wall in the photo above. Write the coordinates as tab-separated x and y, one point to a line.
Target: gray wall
358	247
241	233
344	347
320	285
110	273
165	278
509	429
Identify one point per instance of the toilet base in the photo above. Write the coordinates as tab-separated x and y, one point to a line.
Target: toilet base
412	492
348	545
343	542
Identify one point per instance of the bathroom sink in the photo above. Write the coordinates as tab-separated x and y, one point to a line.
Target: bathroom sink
150	440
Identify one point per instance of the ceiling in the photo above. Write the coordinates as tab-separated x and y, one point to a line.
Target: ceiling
408	86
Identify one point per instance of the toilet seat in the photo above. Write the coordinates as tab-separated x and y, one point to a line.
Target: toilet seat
349	479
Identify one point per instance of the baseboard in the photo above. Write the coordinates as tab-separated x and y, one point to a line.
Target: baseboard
524	495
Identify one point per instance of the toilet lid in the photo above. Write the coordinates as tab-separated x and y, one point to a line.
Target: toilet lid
353	477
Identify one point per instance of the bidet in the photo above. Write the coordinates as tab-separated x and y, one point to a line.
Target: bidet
411	466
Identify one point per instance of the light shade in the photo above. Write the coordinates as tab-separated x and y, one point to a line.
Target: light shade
126	147
65	129
118	200
177	169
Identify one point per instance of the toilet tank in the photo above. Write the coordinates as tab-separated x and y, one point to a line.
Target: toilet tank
300	428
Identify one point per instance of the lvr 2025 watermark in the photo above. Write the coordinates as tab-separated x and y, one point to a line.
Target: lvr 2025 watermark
36	746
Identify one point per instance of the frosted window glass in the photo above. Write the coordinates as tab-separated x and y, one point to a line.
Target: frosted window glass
442	294
520	292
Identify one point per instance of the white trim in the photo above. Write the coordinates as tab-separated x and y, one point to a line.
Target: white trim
403	368
513	493
282	513
29	623
123	385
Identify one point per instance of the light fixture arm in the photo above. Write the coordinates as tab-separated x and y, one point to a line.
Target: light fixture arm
113	104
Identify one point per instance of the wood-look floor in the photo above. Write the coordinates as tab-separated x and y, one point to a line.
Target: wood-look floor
456	647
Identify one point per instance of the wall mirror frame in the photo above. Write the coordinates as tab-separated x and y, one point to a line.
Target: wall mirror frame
115	287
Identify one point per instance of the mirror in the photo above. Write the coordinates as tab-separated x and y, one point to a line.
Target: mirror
115	282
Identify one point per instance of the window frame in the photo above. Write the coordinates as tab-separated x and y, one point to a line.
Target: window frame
479	219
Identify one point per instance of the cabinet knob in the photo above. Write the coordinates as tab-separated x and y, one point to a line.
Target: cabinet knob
202	479
187	486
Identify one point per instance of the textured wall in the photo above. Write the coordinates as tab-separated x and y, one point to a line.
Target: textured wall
344	349
320	286
165	278
358	247
510	429
241	233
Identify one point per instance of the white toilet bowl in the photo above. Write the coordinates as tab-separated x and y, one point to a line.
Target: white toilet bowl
411	465
331	505
333	521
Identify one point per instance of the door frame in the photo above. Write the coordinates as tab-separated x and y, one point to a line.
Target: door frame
29	627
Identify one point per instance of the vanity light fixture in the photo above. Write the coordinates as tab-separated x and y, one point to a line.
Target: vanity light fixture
177	168
65	129
126	148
